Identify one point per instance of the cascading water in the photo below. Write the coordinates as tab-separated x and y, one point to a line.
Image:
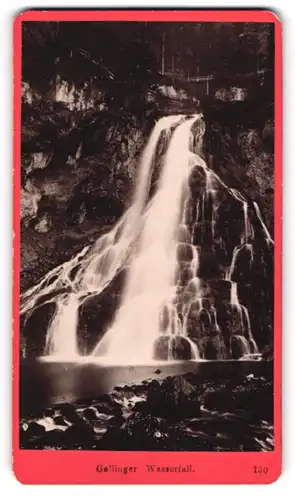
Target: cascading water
152	271
166	309
61	335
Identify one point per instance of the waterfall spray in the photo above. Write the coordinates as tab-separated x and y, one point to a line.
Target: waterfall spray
150	280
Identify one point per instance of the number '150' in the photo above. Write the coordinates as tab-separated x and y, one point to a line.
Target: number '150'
259	469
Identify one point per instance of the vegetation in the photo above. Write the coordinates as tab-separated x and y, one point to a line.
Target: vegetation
134	55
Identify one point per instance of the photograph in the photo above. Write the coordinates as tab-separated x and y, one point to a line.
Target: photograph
147	229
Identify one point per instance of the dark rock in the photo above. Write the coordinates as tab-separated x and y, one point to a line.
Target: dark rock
239	346
215	348
183	234
220	289
116	421
98	310
176	346
208	264
108	409
139	432
78	435
32	430
222	400
105	398
68	411
34	328
53	439
173	399
60	420
267	353
197	179
184	252
89	414
140	407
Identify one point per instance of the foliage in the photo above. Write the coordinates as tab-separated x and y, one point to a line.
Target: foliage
126	57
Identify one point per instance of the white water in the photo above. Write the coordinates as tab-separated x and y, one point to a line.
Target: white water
152	271
148	239
266	232
61	334
97	266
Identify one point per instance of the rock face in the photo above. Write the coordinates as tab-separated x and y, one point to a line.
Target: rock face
229	307
240	145
224	277
75	183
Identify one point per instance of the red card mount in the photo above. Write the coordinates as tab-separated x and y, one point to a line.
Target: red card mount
171	389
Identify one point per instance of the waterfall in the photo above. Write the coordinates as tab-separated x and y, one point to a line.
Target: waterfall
165	300
61	335
150	281
265	230
95	267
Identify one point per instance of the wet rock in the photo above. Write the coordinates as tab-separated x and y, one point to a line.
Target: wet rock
174	398
183	234
185	274
91	415
172	347
53	439
60	420
69	412
32	430
220	400
34	329
184	252
208	264
140	407
106	399
267	354
243	265
139	432
79	435
108	409
257	398
239	346
215	348
197	179
116	421
97	310
220	289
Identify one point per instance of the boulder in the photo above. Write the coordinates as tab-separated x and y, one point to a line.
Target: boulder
175	398
140	432
221	400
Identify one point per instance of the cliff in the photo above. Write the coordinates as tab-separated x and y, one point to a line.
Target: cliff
78	184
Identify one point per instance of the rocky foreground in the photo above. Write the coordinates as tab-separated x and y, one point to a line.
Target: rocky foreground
177	413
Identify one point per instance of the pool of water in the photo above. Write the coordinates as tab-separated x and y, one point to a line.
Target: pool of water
45	382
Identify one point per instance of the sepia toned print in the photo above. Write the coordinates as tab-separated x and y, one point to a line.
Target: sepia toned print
147	237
